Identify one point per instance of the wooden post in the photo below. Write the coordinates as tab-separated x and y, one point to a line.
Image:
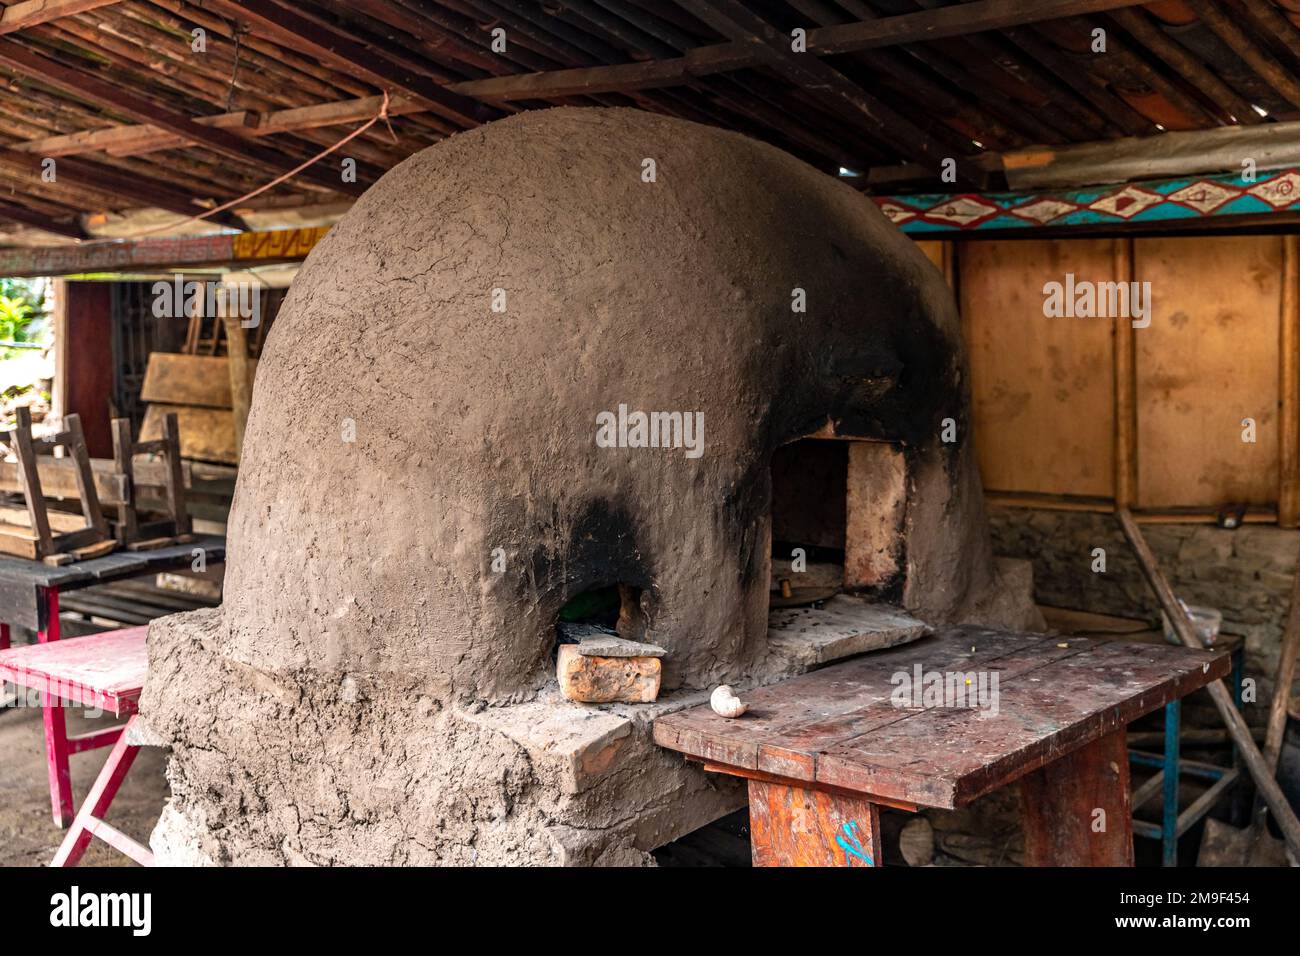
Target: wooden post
241	377
1223	700
1288	500
1077	810
1126	473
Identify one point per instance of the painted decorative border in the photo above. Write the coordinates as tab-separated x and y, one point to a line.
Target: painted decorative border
1194	198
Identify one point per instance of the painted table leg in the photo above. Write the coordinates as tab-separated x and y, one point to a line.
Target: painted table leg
4	645
1077	810
791	826
57	749
90	816
1169	801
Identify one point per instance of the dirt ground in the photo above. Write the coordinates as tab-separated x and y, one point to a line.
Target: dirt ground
28	836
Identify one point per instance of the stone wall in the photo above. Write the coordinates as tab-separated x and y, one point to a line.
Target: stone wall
1246	573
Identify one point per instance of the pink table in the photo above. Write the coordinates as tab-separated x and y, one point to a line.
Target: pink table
104	671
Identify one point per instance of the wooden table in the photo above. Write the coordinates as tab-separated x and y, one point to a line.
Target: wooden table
105	671
822	752
29	597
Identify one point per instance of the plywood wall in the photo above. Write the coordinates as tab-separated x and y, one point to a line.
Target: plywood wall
1043	396
1044	389
1208	361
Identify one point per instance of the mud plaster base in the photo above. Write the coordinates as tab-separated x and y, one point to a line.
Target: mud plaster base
444	786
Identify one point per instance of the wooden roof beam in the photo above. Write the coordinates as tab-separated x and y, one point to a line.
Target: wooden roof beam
33	12
333	46
1137	24
85	86
734	20
144	138
136	189
1256	57
725	57
27	217
951	21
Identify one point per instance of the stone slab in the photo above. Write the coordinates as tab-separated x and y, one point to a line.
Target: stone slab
607	645
843	626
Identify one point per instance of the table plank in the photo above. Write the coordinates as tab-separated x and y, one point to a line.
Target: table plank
839	726
802	745
99	670
826	696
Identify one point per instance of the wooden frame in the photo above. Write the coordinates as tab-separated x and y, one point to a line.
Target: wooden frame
37	541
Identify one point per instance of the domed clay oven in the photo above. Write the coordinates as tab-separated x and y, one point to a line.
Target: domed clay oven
422	490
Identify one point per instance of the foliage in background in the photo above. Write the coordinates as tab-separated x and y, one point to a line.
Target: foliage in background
22	315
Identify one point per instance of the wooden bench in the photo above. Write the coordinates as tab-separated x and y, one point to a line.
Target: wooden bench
103	671
822	752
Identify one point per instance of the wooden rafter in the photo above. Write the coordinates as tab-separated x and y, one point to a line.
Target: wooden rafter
1138	25
726	57
334	46
136	189
1012	75
34	12
81	84
145	138
1260	60
27	217
734	20
950	21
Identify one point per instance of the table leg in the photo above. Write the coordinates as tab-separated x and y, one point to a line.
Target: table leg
1077	810
57	749
5	699
1169	801
791	826
89	819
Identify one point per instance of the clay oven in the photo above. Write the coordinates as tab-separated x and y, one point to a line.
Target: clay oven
422	491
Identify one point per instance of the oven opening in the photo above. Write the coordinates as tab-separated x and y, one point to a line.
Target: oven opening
612	609
809	517
838	509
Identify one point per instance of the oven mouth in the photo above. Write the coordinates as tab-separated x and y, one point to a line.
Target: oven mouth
609	609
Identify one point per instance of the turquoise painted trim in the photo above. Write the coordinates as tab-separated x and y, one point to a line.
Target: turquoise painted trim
1275	191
